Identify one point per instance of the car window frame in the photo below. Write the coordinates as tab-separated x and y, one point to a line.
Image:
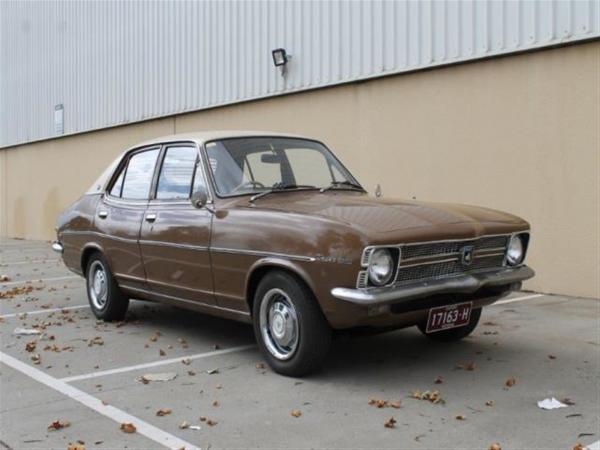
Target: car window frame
123	165
199	163
213	182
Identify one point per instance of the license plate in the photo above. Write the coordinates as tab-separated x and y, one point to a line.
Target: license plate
446	317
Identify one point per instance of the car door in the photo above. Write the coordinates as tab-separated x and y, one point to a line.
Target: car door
119	215
175	235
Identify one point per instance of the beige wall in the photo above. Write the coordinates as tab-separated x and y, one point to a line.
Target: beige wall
519	133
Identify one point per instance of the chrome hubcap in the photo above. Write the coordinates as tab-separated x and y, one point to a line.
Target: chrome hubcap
279	324
97	285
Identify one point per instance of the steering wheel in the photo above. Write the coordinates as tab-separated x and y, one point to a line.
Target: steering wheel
250	184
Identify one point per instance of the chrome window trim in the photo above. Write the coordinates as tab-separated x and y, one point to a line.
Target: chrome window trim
171	244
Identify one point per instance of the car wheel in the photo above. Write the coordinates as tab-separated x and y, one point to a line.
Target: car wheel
106	299
290	328
453	334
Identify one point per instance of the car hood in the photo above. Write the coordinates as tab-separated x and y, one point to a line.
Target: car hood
382	215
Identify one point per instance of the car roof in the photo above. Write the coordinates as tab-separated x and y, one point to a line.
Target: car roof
201	137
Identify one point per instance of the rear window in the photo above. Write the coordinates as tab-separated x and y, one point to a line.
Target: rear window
138	175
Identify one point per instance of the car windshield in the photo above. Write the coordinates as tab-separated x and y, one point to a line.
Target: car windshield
254	165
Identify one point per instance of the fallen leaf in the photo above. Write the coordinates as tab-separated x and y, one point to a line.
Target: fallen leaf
30	346
395	405
495	446
568	401
36	358
161	352
127	427
211	423
191	373
391	423
552	356
186	361
296	413
4	278
432	396
510	382
59	425
384	403
216	403
260	365
154	338
183	425
469	366
489	403
97	340
438	380
163	412
578	446
460	417
79	445
76	446
212	371
168	376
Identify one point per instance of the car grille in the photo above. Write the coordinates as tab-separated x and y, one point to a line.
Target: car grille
426	261
449	247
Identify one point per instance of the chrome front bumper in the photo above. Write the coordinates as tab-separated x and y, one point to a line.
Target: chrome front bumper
465	284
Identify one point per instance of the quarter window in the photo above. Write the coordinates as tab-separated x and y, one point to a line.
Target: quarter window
138	176
175	180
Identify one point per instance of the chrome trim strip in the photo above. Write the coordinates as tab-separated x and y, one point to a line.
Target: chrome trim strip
428	263
169	244
197	291
97	233
130	277
475	254
463	239
257	253
198	247
192	302
465	284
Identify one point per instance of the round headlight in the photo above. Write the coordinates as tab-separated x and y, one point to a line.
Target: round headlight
514	254
381	267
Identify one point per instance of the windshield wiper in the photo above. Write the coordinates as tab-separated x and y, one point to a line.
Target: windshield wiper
345	183
279	187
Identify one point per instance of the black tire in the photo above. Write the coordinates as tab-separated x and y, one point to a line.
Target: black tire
313	332
453	334
114	305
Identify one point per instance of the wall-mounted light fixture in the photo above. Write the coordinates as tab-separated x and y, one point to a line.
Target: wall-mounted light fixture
280	57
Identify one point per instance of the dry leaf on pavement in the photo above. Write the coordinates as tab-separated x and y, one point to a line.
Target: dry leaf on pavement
432	396
164	412
438	380
216	403
460	417
211	423
391	423
489	403
186	361
183	425
76	446
296	413
469	366
495	446
578	446
260	365
127	427
510	382
58	425
30	346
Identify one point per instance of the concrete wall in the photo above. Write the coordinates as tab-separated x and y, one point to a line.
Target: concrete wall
519	133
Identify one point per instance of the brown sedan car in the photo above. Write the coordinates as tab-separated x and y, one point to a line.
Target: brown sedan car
273	230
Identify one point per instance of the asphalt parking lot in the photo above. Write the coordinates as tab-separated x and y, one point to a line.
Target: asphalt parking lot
92	376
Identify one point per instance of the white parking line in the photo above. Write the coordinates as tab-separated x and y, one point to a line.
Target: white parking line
33	261
39	280
42	311
145	429
162	362
518	299
594	446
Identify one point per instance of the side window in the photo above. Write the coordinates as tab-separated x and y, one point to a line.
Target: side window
116	189
175	180
138	176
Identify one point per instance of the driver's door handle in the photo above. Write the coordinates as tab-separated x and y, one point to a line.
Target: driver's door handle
151	217
103	214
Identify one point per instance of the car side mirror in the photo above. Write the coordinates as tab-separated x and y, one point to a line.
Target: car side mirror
199	199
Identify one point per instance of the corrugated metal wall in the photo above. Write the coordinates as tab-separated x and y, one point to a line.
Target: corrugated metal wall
115	62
